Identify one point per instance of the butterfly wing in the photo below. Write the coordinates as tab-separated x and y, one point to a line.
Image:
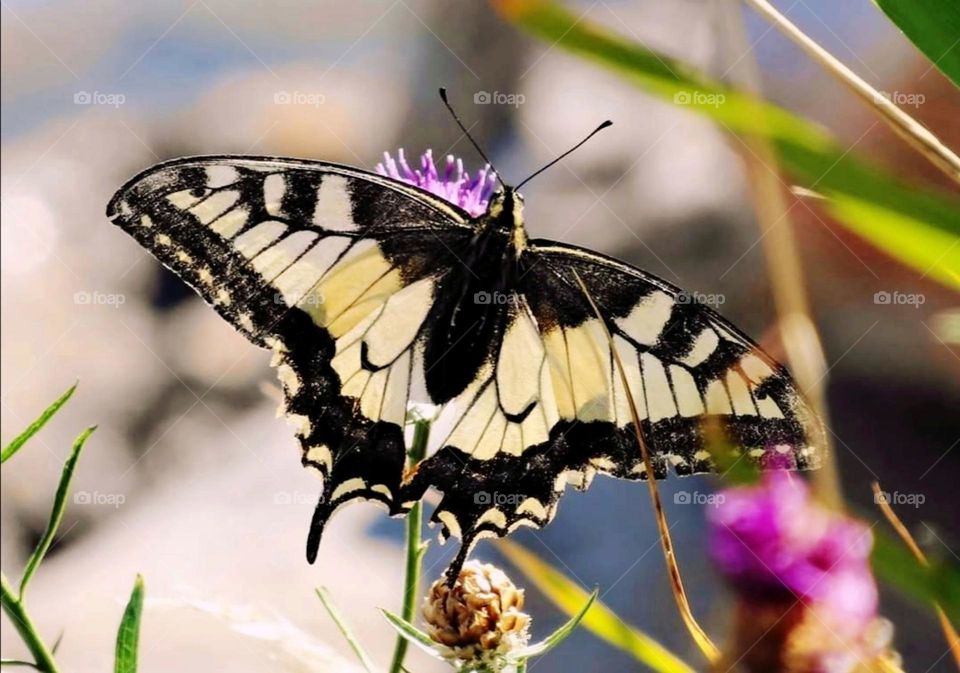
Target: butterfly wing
552	409
331	267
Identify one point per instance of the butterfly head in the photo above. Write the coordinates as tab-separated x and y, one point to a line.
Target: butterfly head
505	213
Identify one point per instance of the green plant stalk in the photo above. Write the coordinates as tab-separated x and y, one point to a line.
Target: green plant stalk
17	613
415	547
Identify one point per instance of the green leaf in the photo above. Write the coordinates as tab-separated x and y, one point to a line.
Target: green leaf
599	619
934	28
34	427
939	583
918	227
344	628
56	514
412	633
557	636
128	635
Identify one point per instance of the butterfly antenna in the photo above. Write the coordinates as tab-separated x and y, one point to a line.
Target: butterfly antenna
567	153
443	97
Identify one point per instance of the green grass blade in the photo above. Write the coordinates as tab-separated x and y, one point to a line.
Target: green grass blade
599	619
35	427
56	514
128	635
345	629
934	28
918	227
407	630
895	565
560	634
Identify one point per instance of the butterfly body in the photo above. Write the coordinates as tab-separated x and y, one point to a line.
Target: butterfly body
371	292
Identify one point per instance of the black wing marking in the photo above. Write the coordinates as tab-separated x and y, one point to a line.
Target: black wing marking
331	267
685	365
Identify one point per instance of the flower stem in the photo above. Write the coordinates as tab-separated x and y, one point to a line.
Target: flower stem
795	323
17	613
415	547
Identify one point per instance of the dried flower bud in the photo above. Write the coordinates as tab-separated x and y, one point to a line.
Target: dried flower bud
479	618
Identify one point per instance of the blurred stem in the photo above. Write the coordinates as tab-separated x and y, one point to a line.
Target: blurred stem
905	126
953	640
798	332
17	613
415	547
700	637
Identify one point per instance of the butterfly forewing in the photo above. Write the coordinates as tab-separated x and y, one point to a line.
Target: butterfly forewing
332	268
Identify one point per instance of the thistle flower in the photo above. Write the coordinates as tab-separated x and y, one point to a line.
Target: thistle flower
455	185
479	619
807	601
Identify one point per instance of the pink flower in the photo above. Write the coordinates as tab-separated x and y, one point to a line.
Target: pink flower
800	567
455	185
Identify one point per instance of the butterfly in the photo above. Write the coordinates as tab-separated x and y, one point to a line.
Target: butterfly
372	291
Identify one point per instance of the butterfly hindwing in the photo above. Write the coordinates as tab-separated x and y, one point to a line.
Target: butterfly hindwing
552	409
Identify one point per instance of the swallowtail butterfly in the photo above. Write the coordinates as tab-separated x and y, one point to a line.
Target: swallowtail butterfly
370	290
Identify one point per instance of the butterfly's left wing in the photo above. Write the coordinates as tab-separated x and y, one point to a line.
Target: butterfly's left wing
333	268
552	409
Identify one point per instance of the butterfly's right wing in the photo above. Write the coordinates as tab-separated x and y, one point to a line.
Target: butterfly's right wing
333	268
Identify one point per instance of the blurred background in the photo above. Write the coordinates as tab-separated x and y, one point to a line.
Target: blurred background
192	481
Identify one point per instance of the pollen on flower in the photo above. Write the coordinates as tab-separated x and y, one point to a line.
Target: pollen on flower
454	184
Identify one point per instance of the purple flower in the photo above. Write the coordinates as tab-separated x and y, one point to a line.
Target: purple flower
455	185
772	540
786	555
